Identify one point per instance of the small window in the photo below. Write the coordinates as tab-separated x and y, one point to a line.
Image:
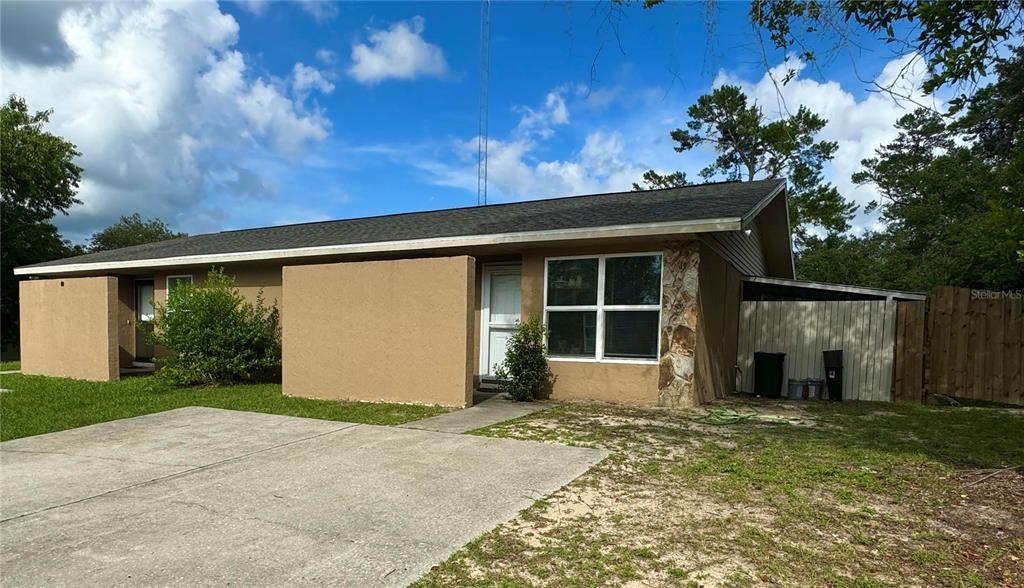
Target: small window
604	307
144	301
631	334
632	280
572	282
174	282
572	333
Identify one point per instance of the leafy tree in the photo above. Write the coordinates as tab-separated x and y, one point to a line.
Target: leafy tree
748	147
868	260
652	180
959	41
38	179
215	336
132	230
952	199
951	217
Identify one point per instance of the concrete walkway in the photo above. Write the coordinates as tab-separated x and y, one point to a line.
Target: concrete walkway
494	410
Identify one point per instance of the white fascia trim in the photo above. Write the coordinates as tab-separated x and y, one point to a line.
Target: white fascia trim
636	230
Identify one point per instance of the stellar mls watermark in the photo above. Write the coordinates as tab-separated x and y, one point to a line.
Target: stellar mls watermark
997	294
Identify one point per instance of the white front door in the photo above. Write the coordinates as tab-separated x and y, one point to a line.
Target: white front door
499	311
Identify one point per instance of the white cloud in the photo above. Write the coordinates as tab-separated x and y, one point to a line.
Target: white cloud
306	79
270	114
397	53
515	173
541	121
153	94
256	7
859	125
325	55
607	161
602	99
320	10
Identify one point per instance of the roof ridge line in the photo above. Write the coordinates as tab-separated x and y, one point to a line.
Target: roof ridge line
487	206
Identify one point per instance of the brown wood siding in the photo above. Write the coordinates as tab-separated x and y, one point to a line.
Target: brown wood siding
719	296
743	251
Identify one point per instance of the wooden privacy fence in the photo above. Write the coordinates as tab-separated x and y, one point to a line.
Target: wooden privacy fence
864	330
908	375
969	344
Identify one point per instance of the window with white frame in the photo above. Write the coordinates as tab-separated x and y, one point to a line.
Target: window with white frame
175	281
605	307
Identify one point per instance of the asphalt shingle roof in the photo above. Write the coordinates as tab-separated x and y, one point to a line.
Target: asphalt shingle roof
690	203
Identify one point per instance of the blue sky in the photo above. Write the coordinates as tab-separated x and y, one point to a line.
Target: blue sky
216	116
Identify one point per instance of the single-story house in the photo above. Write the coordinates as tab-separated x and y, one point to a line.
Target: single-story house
641	292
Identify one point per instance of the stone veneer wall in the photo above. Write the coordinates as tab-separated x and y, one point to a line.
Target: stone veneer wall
679	315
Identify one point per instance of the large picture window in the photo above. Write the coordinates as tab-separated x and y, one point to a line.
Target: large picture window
604	307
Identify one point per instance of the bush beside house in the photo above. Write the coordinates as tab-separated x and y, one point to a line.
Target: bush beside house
215	336
525	374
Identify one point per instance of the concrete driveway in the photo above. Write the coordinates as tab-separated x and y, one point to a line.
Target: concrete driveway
201	496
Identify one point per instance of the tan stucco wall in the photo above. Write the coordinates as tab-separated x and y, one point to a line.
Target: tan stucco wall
249	279
576	380
69	328
718	298
396	331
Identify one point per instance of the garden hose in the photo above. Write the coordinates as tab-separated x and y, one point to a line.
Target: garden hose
726	416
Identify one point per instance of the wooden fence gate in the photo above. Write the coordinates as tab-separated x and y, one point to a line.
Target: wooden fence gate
969	344
864	330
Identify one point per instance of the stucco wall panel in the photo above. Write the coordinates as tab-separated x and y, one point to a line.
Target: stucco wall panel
395	331
606	382
69	328
249	279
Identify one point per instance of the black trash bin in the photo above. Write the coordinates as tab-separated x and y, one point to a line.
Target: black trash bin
768	374
834	374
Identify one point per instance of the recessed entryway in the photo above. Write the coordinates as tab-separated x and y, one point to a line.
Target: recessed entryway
144	315
500	305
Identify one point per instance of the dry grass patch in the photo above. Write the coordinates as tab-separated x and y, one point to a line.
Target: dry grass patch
801	494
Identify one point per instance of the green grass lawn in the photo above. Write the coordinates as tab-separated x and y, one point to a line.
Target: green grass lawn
803	494
9	365
37	404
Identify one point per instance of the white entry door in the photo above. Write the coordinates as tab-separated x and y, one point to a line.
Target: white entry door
499	311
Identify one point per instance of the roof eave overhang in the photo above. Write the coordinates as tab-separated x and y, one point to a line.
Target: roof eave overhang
610	232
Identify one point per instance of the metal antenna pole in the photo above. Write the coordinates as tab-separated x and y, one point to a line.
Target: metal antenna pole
485	70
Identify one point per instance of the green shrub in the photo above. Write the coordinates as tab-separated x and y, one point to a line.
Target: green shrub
524	373
215	336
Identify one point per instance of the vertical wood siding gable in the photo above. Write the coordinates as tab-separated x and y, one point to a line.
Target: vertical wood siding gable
742	251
